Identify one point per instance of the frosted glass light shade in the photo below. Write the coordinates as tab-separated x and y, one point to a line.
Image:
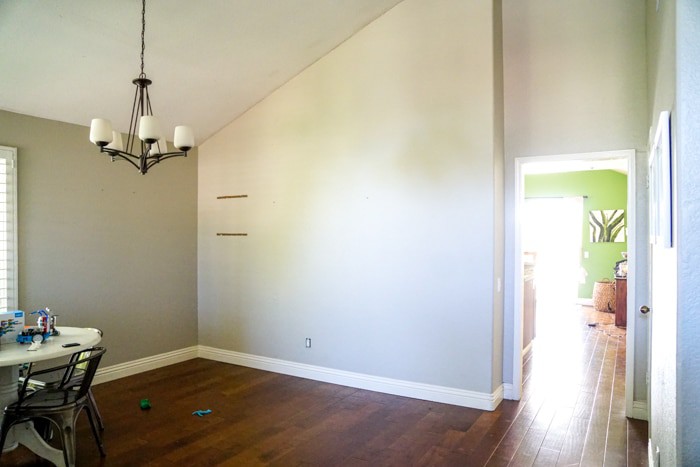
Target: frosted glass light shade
159	147
100	132
184	138
117	141
149	129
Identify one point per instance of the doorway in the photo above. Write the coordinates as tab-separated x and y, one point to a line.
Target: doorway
566	163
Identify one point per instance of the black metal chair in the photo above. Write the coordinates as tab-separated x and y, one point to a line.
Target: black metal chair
51	381
60	404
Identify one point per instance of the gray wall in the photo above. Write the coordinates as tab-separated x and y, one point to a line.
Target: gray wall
101	245
688	151
575	82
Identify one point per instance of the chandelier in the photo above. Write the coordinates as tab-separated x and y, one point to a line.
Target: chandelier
153	146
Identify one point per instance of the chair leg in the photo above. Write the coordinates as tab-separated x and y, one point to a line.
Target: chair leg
95	432
95	410
6	425
66	424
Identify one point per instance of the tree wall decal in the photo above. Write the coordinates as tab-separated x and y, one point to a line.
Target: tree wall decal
607	225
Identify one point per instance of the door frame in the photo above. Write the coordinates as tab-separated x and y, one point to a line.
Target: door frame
517	283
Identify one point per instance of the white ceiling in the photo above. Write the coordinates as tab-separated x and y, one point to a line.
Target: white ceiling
210	60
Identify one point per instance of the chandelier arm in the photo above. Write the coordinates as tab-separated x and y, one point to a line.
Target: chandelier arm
133	122
124	156
156	160
149	110
169	155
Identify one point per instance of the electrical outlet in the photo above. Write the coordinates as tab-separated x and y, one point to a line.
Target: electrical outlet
308	342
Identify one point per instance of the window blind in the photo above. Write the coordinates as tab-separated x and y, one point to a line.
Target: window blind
8	229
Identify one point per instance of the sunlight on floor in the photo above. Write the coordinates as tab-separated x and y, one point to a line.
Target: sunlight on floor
558	360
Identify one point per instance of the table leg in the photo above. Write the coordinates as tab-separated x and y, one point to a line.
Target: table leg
26	435
23	433
9	375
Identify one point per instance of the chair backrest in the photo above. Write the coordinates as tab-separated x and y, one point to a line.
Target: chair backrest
82	372
77	373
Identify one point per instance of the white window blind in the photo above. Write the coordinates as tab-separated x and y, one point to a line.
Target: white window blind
8	229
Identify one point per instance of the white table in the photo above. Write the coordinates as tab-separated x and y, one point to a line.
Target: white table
14	354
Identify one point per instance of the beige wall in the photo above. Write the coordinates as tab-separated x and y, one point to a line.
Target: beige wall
371	205
100	244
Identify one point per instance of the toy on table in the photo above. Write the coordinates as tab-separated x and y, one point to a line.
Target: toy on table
45	328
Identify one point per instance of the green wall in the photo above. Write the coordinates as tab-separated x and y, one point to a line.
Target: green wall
604	189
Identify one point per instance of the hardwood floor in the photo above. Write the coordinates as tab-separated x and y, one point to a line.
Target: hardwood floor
572	413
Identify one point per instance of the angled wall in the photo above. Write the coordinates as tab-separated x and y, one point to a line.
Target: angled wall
370	208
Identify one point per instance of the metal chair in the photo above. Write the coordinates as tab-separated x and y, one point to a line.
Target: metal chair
60	404
35	384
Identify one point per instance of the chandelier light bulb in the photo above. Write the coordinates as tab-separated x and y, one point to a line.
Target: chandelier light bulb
159	147
184	138
149	129
117	141
100	132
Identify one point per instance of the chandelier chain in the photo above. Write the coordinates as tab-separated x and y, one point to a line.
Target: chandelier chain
143	36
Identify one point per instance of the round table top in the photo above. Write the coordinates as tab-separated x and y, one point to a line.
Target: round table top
15	353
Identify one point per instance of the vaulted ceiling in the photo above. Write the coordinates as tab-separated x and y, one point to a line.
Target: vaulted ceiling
210	60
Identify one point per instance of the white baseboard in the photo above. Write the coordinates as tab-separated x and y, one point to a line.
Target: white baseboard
585	301
446	395
442	394
639	411
141	365
508	391
654	455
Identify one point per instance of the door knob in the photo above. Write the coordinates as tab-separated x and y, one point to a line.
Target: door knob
644	309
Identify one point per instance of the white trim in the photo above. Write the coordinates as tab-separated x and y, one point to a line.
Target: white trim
639	411
585	301
142	365
442	394
654	458
11	181
631	409
508	392
527	350
518	294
